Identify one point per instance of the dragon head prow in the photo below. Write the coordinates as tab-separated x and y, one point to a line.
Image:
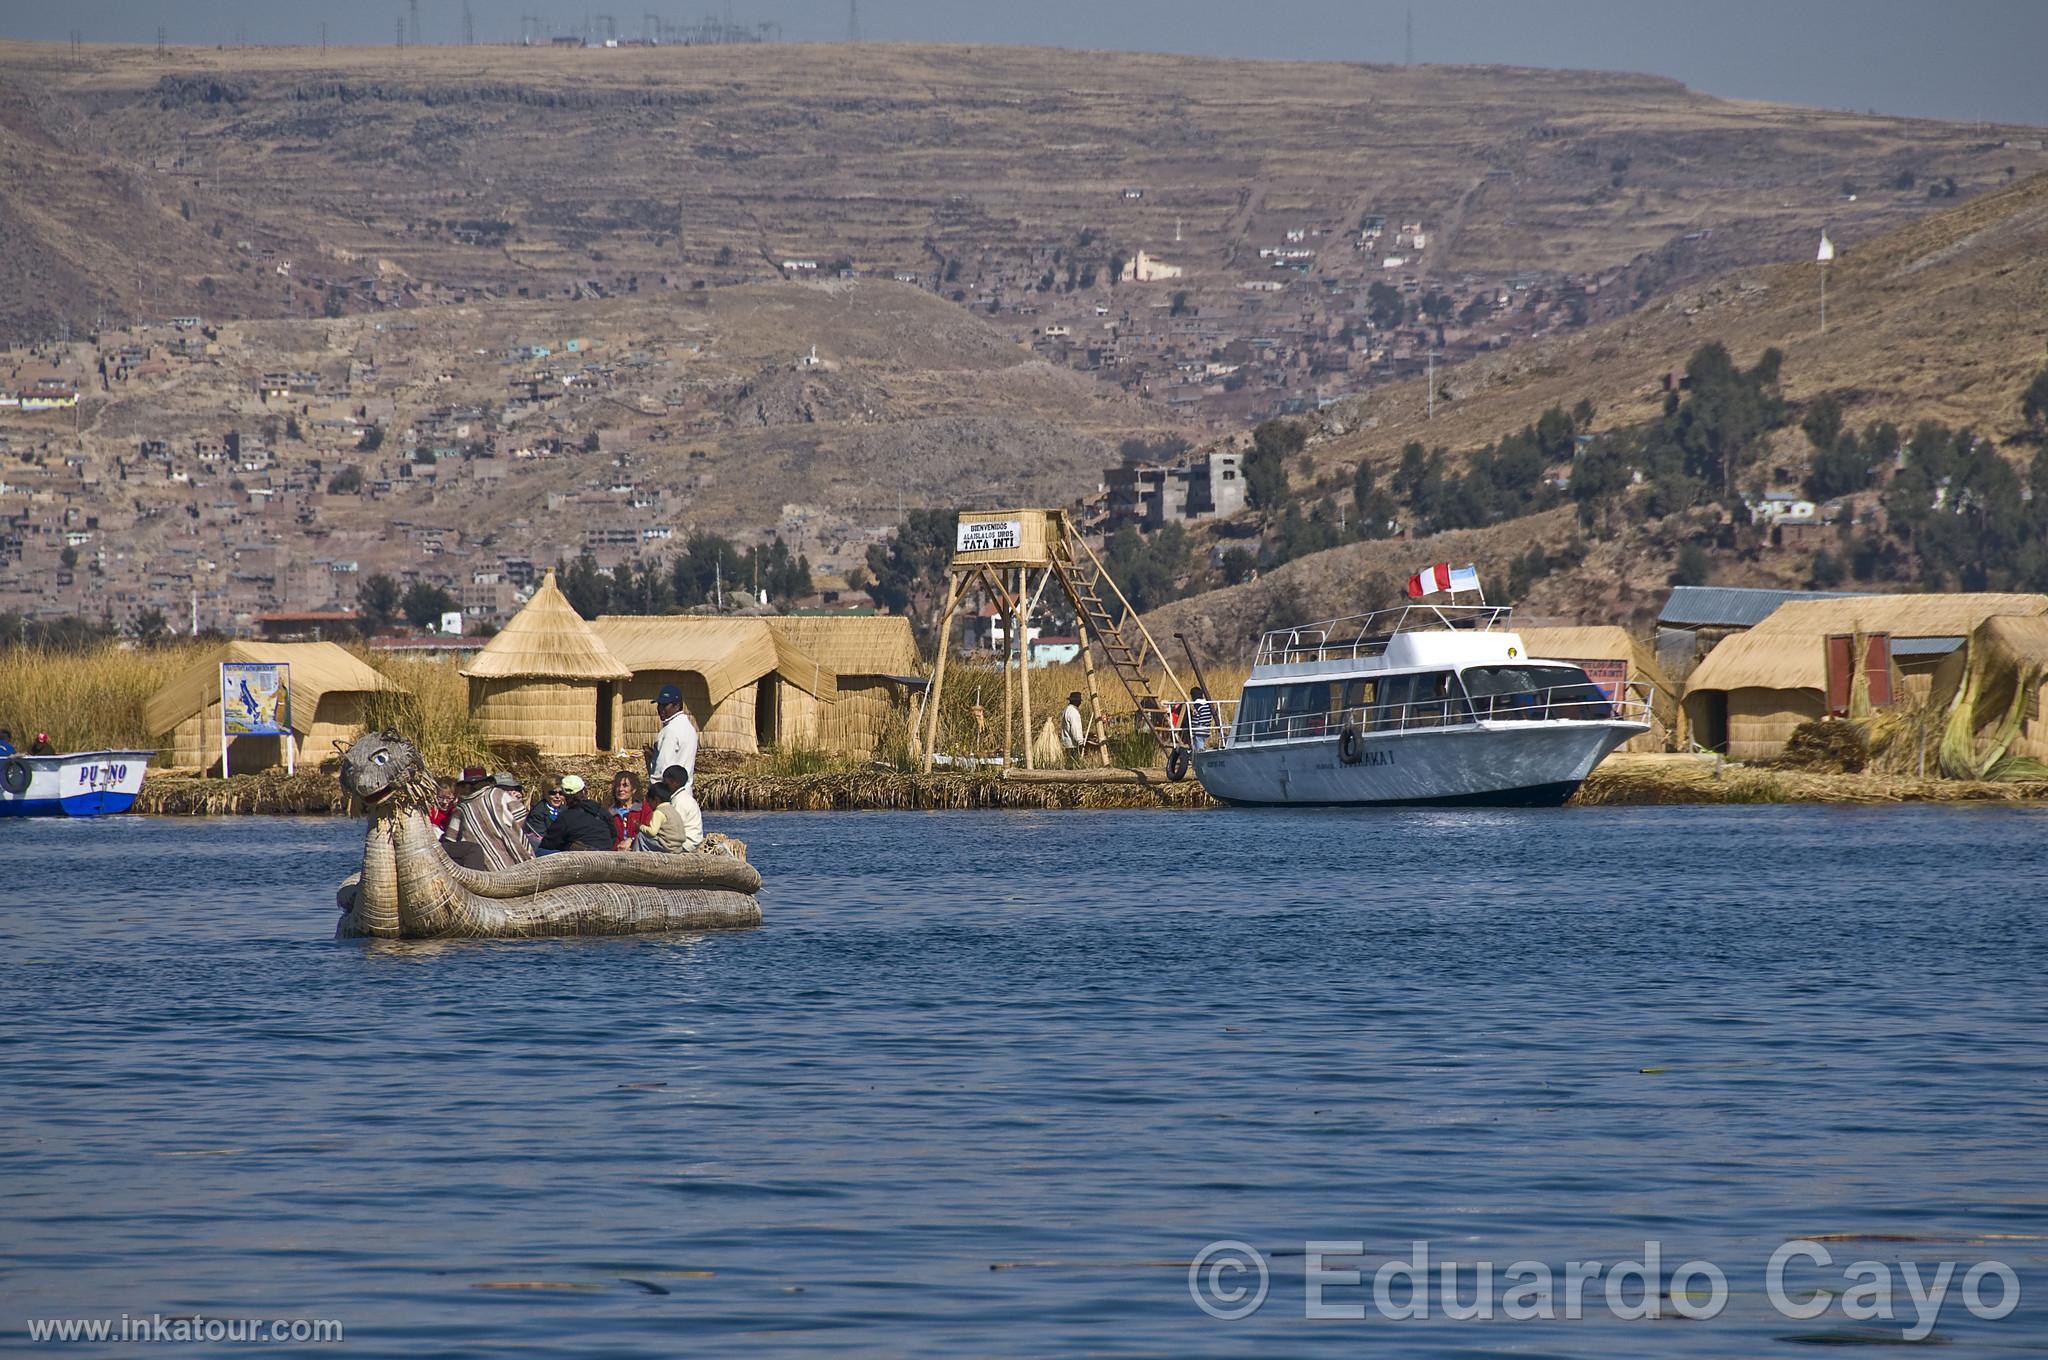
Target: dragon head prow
385	771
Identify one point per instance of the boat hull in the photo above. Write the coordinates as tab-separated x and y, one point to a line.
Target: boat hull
1495	764
76	784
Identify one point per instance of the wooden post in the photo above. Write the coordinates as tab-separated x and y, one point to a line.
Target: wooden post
1024	660
931	703
1009	618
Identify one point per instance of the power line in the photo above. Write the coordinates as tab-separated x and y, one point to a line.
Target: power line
1408	50
468	25
853	21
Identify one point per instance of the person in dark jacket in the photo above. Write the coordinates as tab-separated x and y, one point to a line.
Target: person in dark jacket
41	745
580	825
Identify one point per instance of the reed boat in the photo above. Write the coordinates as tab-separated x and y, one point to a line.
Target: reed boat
1423	704
76	784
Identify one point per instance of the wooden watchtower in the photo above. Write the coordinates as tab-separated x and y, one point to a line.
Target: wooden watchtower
1013	555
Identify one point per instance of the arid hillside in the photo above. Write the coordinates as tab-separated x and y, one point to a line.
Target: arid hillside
1943	320
152	187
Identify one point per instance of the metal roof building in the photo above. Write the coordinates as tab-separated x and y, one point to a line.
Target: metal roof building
1733	606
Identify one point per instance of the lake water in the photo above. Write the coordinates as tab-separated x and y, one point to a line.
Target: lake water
988	1083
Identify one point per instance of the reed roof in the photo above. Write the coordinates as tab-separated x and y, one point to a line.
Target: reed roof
547	640
1788	650
853	644
318	669
1902	616
727	652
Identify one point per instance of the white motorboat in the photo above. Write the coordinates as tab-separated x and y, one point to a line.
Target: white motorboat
76	784
1424	704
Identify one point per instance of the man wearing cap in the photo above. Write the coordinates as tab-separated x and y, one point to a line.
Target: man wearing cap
677	744
580	825
488	822
1073	732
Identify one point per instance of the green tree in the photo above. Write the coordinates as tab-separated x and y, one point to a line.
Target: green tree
1823	422
1694	566
2034	406
1600	477
150	627
378	599
708	564
346	482
1384	305
1375	510
1841	467
909	570
372	440
585	584
1265	467
424	604
1237	565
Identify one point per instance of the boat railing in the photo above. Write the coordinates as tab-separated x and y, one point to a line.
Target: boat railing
1578	702
1364	635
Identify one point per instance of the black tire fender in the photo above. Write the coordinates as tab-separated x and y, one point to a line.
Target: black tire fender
16	776
1351	744
1177	762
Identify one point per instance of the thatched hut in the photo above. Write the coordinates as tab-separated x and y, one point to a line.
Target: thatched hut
871	656
545	679
1987	696
330	692
1810	658
742	682
1619	661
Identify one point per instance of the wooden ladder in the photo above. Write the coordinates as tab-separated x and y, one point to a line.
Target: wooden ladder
1085	579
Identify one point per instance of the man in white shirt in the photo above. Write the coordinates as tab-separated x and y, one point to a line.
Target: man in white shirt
1073	731
677	744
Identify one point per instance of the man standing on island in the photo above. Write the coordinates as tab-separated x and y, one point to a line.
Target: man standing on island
677	744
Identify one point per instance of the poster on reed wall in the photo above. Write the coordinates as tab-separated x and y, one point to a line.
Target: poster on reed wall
256	701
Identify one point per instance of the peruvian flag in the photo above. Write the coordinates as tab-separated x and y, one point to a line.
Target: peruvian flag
1441	577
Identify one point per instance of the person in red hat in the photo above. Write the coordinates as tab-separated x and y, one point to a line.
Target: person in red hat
42	746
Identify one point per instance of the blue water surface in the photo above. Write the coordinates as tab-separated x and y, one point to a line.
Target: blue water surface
988	1083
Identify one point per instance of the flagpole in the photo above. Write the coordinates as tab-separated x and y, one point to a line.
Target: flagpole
1823	297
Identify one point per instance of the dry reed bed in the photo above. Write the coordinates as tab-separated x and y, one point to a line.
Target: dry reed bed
1630	783
277	793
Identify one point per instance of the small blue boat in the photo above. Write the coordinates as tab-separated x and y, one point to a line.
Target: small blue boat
78	784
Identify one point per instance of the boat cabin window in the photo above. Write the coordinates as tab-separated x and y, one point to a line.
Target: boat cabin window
1359	694
1282	712
1421	699
1529	692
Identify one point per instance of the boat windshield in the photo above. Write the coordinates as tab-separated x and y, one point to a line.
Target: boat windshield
1535	691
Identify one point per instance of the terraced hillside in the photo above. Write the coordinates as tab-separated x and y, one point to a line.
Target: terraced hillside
473	168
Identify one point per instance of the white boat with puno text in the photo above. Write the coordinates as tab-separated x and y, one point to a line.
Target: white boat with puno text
1423	704
77	784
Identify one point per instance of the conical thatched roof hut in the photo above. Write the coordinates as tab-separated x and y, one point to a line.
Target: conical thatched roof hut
1755	688
1612	656
545	679
330	690
1987	696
